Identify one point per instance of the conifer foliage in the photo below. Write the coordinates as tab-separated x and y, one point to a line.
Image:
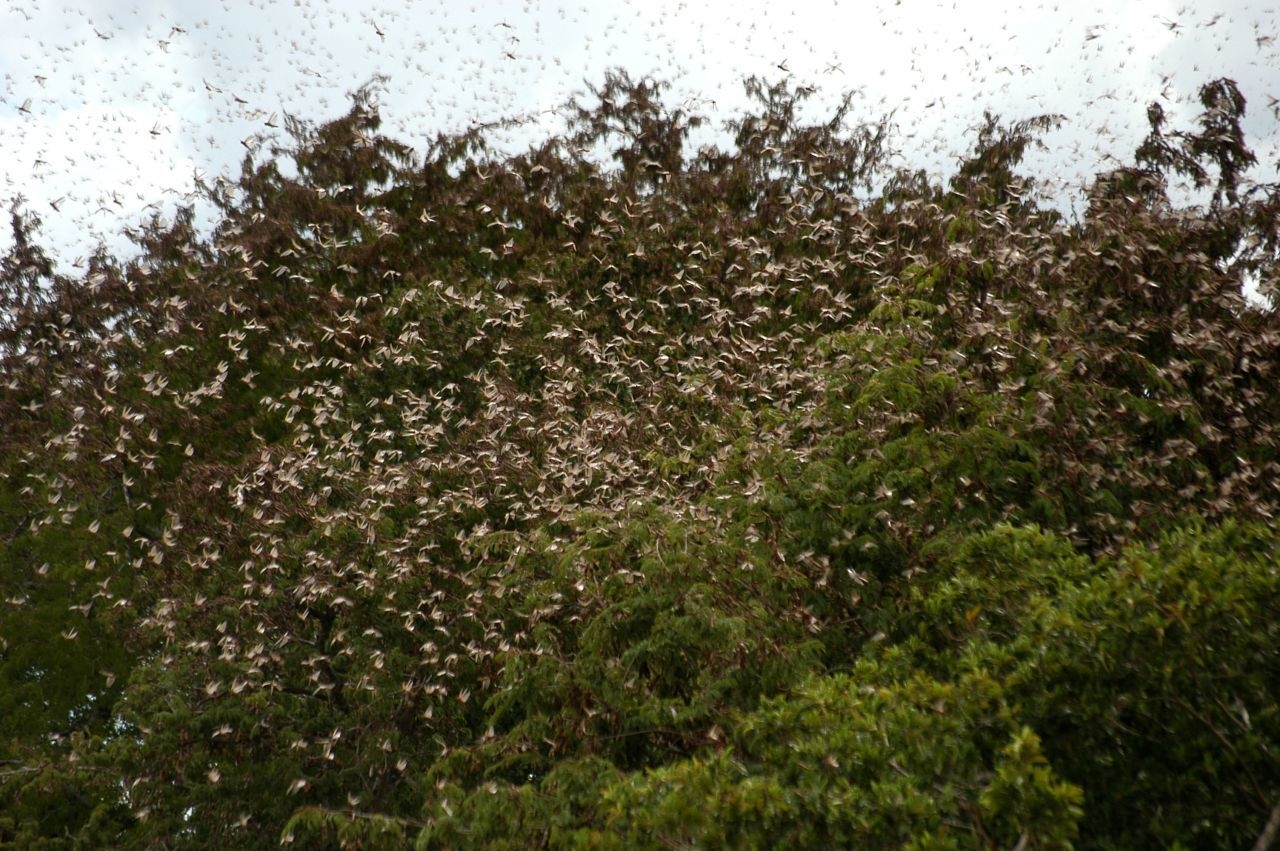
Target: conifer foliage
617	494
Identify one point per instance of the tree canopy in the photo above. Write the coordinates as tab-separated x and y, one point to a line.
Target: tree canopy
617	494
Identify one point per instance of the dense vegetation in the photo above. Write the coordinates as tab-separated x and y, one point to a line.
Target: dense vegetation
766	496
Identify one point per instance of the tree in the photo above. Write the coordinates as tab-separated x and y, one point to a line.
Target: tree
616	494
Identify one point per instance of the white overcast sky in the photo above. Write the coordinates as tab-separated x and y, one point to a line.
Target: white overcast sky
108	107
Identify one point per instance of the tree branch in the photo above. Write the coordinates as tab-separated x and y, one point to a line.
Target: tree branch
1268	834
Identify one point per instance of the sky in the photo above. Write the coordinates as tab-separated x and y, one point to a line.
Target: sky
109	109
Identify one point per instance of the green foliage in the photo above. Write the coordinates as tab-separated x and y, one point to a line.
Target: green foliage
1025	710
859	760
